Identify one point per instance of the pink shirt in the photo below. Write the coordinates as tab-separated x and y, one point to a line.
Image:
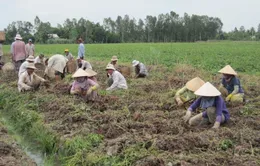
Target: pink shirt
84	85
19	50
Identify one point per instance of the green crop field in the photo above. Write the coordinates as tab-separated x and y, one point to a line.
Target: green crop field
211	56
143	125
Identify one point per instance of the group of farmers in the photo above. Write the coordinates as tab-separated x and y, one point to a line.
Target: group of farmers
210	99
205	96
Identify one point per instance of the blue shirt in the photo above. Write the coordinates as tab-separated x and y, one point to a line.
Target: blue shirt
81	50
230	85
220	105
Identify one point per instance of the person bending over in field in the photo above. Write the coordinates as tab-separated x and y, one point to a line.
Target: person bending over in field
114	60
213	106
140	69
82	64
83	86
23	67
58	63
230	86
68	55
29	80
186	93
39	59
116	80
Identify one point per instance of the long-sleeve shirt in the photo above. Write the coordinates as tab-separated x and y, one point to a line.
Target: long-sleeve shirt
19	50
22	68
118	81
185	93
142	69
38	60
12	48
231	84
57	62
81	50
26	81
29	48
1	50
83	86
69	56
85	65
220	105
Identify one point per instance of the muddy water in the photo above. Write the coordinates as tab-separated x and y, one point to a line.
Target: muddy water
35	155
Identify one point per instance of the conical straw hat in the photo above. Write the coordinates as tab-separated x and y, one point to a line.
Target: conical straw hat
207	90
90	72
80	73
194	84
227	70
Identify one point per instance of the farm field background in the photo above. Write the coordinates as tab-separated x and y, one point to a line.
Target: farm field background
211	56
141	126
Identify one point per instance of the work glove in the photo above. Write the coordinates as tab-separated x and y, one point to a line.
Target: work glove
216	125
179	101
187	116
228	98
89	91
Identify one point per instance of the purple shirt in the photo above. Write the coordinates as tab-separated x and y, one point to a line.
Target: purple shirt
84	85
220	108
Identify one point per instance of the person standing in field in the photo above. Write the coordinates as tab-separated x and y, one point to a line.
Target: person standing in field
230	86
24	65
19	53
83	86
39	59
68	55
186	93
58	63
118	81
81	49
29	80
213	106
140	69
29	48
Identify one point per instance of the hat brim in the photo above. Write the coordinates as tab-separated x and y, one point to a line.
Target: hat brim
31	68
114	59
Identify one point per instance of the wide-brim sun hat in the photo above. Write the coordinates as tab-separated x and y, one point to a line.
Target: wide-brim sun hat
207	90
30	58
80	73
91	72
66	50
18	37
228	70
135	63
110	67
30	66
114	58
194	84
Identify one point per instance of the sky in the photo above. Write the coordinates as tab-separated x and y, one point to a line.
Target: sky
233	13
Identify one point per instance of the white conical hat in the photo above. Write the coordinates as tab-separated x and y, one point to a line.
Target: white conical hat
194	84
227	70
80	73
90	72
207	90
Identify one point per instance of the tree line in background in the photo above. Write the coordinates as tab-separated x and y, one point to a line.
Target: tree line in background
168	27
